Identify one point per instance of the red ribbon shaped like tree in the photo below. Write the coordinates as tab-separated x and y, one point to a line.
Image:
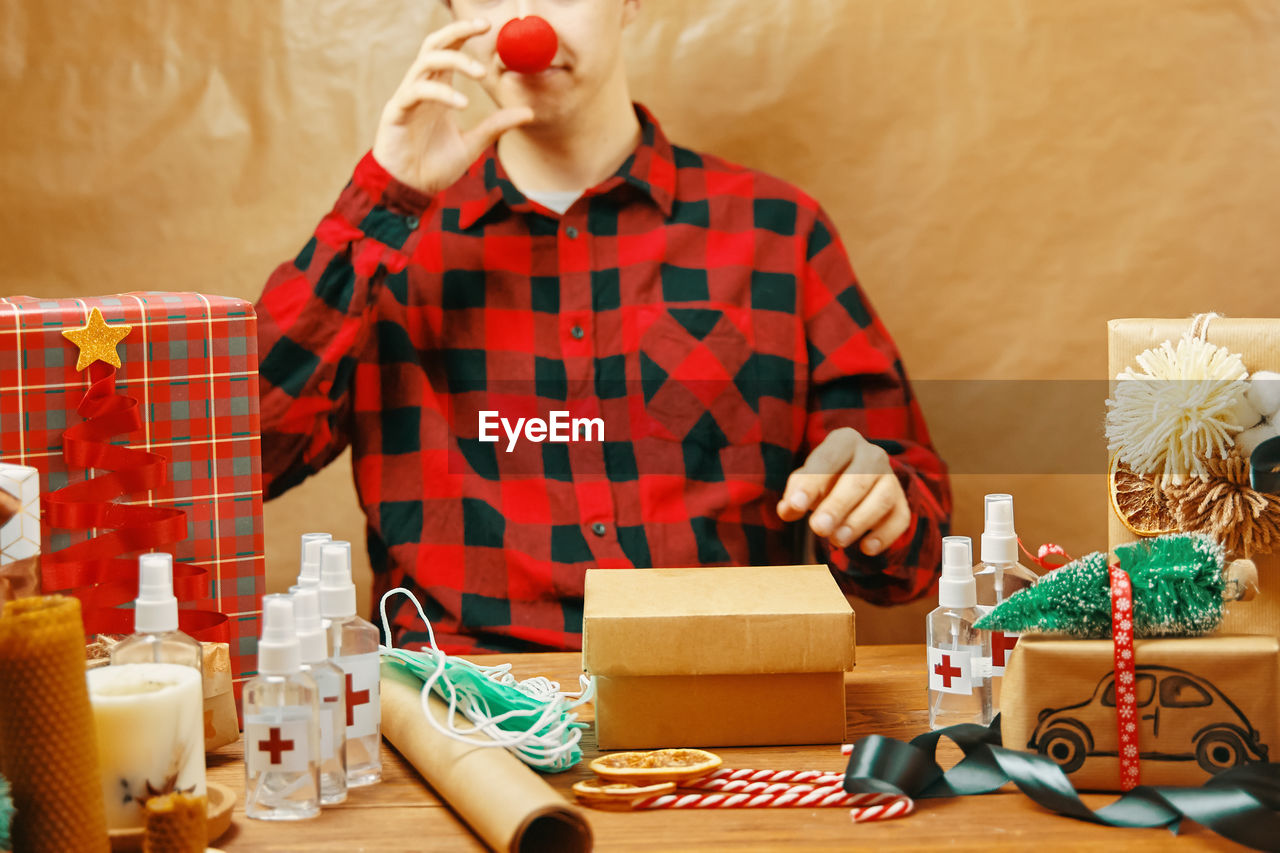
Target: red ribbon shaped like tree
96	571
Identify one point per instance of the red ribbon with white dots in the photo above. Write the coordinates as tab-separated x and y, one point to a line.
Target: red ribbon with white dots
1125	678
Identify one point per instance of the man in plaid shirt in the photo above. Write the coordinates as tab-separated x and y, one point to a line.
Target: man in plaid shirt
556	341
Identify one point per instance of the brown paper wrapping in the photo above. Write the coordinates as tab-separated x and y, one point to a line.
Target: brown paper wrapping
1210	701
502	800
48	749
1257	341
221	725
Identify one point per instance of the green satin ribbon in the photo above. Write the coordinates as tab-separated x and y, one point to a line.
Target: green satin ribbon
1242	804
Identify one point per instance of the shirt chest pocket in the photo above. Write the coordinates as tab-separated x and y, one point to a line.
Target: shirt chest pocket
697	372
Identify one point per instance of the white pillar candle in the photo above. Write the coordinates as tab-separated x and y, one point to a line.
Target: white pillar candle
150	723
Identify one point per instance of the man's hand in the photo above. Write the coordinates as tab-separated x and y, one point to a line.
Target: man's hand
853	492
418	139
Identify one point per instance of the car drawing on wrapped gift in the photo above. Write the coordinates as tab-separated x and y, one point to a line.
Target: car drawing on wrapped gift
1181	717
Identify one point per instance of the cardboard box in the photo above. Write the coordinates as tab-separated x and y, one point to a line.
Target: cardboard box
717	656
19	531
1204	704
1257	341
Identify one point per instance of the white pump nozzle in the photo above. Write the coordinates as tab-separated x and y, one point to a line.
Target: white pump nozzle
309	561
957	588
999	542
156	610
278	652
337	591
311	636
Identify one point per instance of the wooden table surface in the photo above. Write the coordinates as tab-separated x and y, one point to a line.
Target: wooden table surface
886	696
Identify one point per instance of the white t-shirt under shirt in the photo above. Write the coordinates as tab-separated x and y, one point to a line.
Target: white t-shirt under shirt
557	201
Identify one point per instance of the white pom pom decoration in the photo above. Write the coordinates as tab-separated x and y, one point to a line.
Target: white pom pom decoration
1251	438
1244	412
1264	392
1180	410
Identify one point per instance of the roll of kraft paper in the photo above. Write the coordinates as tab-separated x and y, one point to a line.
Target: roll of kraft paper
501	799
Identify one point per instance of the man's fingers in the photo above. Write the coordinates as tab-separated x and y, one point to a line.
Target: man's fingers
494	125
808	483
888	530
452	35
443	60
848	491
427	90
874	507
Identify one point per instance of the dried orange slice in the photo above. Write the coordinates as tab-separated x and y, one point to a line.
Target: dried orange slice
659	765
1138	502
607	795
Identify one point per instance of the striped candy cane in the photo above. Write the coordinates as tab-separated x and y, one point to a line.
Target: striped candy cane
792	796
717	780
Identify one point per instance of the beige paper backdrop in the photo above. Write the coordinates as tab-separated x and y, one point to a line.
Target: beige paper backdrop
1006	174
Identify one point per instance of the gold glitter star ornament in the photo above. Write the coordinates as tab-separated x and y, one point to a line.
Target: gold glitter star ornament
97	341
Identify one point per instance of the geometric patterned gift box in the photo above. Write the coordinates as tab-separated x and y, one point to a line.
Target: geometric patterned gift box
20	535
190	361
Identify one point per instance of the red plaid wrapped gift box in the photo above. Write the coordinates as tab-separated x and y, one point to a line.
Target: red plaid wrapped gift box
191	363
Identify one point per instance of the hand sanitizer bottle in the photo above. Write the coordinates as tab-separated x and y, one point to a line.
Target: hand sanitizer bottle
959	690
353	646
156	638
332	685
309	563
281	724
999	576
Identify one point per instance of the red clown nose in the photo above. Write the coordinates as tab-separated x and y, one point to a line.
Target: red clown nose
527	44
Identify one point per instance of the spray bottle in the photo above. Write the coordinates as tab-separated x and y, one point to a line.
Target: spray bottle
999	576
309	561
281	724
353	646
156	638
959	690
331	682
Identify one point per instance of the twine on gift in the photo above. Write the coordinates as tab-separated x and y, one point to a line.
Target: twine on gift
93	571
533	719
1125	678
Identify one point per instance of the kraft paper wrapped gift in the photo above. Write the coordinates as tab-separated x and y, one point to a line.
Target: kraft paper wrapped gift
19	531
1257	341
1205	704
190	362
221	726
717	656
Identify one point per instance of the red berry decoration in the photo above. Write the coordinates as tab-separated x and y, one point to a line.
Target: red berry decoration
527	44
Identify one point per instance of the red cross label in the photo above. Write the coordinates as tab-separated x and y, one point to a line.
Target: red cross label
275	744
330	707
1001	645
951	670
364	711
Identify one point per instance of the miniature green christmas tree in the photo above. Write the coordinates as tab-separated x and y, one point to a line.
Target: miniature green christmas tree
1177	591
6	813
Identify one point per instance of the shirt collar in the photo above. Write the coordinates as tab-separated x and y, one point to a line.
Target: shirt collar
650	168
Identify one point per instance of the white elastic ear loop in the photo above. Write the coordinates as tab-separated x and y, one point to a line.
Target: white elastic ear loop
534	748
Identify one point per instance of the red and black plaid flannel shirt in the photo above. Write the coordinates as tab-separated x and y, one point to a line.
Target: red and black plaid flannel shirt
706	313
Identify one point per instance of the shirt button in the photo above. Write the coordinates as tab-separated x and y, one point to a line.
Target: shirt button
571	232
577	332
412	222
598	528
